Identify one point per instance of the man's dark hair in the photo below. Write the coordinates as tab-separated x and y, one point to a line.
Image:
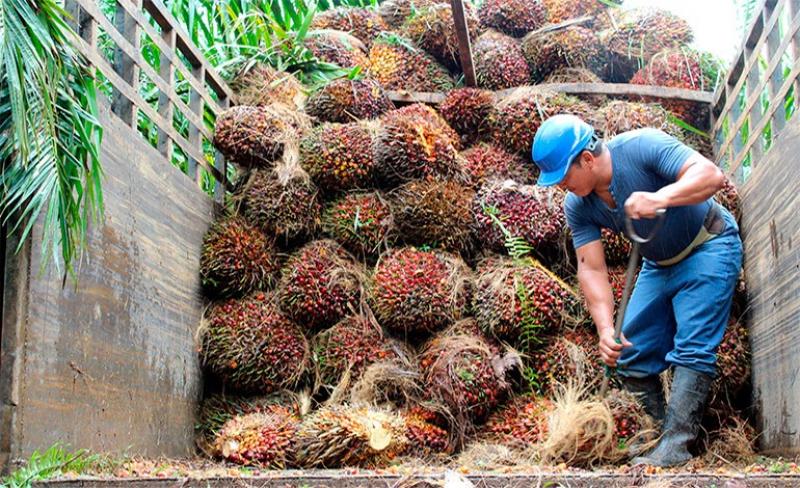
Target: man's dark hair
596	151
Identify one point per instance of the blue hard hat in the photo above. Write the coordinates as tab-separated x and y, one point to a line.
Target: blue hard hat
557	142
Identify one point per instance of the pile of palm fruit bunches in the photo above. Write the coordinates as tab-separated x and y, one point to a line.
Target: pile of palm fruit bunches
387	283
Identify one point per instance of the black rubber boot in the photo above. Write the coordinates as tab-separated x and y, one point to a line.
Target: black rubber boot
650	393
687	402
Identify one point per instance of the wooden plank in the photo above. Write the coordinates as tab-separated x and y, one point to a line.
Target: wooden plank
771	233
100	63
162	16
167	51
124	63
464	43
196	106
165	107
787	84
794	10
133	53
751	61
756	92
110	364
220	163
618	89
776	79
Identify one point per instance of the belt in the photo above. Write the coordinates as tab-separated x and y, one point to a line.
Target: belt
713	225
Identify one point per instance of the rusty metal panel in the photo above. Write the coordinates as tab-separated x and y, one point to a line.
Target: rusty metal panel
110	364
771	232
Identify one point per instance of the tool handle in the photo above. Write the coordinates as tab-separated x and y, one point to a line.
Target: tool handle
660	215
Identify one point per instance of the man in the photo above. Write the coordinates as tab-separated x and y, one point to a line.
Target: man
680	305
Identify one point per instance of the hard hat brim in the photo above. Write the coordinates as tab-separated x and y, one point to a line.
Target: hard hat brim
552	178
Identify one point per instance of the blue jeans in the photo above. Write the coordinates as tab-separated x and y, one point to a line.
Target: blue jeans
677	314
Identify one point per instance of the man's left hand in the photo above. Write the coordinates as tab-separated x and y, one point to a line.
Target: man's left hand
644	205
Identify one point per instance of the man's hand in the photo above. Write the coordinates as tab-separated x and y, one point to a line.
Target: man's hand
644	205
609	349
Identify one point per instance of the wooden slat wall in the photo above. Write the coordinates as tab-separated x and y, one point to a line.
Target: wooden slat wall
207	91
771	232
111	364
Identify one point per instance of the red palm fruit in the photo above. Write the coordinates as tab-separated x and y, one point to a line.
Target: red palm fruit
320	284
523	302
617	247
499	62
399	65
237	258
363	23
513	17
484	162
435	213
264	439
467	110
575	355
348	348
338	157
251	346
417	292
262	85
520	423
433	29
415	142
504	209
345	100
571	47
337	47
361	222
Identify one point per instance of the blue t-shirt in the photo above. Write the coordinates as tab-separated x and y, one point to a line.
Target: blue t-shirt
642	160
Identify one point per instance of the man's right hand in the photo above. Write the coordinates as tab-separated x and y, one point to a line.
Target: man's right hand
610	350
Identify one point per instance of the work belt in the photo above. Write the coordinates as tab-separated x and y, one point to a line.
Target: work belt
713	225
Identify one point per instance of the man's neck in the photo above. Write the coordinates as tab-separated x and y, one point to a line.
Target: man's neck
604	173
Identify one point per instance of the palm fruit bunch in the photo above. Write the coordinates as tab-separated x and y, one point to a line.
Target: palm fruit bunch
638	36
467	110
436	213
349	347
560	10
399	65
499	62
417	292
677	68
619	116
523	302
433	29
729	198
345	436
699	142
504	209
512	17
521	423
617	276
319	284
733	362
237	258
251	346
519	116
282	203
415	142
572	356
216	409
578	75
265	439
630	418
256	136
459	372
339	156
469	326
569	47
395	12
361	222
365	24
337	47
425	438
617	247
260	84
346	100
484	162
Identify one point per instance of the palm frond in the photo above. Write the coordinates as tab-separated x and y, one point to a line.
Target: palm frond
49	134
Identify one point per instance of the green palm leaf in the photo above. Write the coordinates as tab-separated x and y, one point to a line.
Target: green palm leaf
49	133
